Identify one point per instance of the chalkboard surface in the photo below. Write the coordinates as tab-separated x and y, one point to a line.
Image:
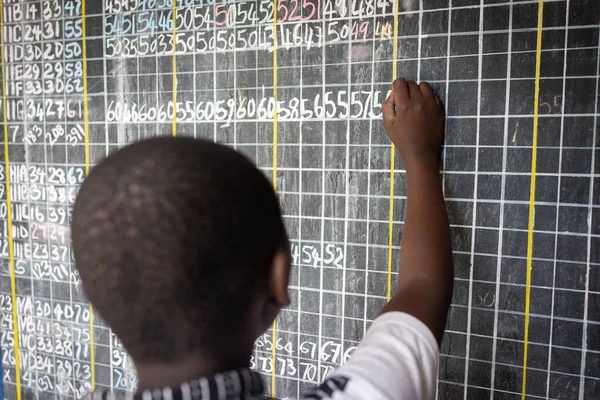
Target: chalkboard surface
297	86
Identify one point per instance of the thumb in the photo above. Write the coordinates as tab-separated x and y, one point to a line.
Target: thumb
389	109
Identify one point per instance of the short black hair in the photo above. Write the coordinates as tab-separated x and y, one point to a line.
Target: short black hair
171	237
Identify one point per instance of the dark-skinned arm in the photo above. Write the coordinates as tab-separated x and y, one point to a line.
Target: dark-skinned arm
414	121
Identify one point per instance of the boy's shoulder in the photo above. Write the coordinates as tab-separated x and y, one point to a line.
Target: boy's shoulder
397	359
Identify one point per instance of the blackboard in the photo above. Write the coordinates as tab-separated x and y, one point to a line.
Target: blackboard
298	86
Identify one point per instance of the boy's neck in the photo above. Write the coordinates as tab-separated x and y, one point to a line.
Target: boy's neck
158	376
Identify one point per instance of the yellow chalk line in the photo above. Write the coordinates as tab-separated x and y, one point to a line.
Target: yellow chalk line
274	328
174	62
536	100
87	170
392	161
13	286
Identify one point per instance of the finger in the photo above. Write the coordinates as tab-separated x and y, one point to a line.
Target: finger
400	90
414	90
426	89
389	110
438	101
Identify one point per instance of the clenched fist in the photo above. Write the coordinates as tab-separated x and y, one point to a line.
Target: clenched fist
414	120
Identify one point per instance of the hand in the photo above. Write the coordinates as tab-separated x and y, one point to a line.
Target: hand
413	118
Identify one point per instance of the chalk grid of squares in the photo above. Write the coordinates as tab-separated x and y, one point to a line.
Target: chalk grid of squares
333	181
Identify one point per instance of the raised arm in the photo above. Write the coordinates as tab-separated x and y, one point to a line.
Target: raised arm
414	120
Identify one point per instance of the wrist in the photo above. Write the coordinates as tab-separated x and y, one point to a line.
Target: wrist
422	164
423	174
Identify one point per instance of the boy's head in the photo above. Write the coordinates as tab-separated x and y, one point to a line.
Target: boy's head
181	249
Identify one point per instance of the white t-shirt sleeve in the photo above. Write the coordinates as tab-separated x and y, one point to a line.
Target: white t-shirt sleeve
397	360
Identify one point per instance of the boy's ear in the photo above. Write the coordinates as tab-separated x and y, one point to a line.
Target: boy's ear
280	275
